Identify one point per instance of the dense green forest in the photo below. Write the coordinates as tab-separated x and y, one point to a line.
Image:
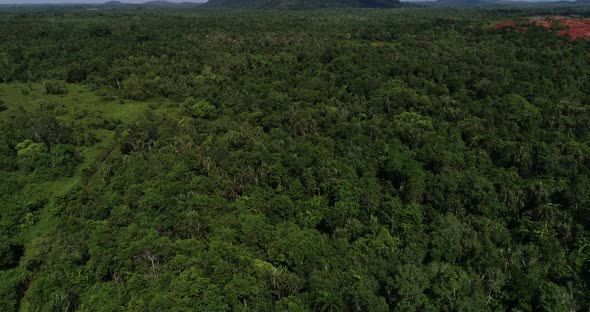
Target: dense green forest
302	4
333	160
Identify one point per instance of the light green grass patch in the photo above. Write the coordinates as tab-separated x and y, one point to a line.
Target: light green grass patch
79	108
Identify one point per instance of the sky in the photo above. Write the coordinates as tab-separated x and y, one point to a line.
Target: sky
82	1
129	1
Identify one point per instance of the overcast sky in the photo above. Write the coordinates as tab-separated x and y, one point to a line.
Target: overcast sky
83	1
134	1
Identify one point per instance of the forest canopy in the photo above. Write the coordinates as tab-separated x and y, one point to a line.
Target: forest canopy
301	4
329	160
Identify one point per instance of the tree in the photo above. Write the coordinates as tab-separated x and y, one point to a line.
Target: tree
10	253
75	73
406	175
49	130
202	109
412	128
329	301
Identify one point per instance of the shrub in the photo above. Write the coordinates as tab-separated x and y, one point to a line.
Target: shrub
54	87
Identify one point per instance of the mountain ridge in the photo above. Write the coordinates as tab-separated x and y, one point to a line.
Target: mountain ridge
302	4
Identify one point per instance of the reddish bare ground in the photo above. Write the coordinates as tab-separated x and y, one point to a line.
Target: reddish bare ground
575	28
506	25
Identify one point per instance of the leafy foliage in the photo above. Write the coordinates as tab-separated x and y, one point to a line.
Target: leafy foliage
302	4
354	160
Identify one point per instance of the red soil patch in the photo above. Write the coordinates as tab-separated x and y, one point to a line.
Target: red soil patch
576	28
506	25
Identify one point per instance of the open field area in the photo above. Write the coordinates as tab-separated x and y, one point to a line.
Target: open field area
408	159
573	28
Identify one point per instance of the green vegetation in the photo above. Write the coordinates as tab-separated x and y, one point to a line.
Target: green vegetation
354	160
302	4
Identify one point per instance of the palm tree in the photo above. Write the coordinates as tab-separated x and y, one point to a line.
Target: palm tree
329	301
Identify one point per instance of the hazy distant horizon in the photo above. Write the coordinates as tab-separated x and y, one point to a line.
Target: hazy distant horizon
85	1
177	1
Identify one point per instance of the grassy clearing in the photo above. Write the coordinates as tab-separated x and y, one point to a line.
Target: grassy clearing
79	108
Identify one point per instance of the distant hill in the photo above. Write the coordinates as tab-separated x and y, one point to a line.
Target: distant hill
464	2
302	4
114	3
505	2
157	3
170	4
